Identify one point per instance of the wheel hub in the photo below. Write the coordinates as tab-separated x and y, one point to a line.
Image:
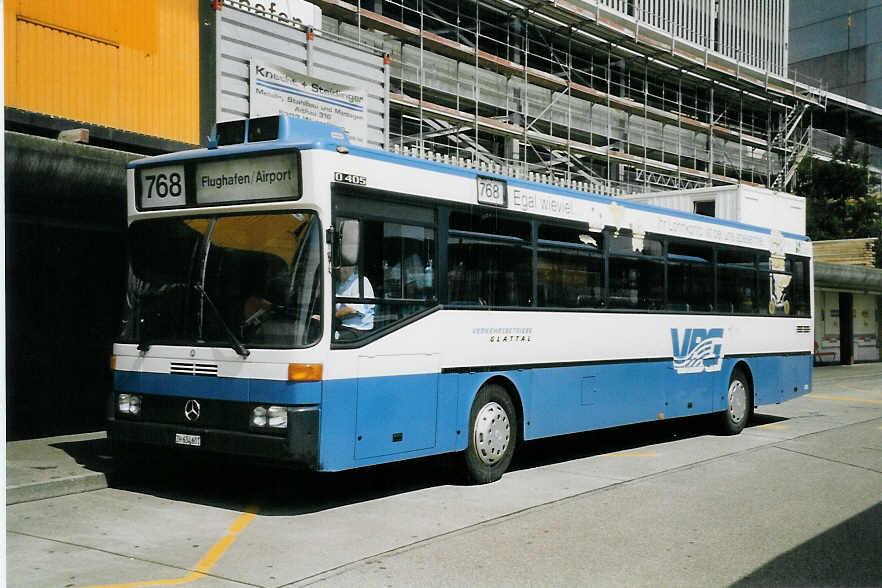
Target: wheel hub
737	401
492	433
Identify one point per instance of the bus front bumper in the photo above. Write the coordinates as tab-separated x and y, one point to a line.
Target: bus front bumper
299	447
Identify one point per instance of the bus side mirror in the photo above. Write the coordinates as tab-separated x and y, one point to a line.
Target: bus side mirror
348	236
333	247
343	241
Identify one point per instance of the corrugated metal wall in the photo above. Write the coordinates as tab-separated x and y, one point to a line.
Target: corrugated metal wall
127	65
243	36
754	32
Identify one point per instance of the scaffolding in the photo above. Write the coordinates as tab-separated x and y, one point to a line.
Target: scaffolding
621	96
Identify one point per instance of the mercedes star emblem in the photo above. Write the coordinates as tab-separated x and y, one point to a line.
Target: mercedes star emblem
192	410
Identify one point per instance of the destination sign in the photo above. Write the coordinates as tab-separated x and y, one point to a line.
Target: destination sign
492	191
163	187
268	177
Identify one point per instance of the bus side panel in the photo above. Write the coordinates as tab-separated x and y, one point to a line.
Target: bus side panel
467	386
691	394
572	399
337	430
449	431
776	378
796	376
374	420
765	372
395	414
593	397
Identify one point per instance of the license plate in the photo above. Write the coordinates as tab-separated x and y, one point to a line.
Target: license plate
192	440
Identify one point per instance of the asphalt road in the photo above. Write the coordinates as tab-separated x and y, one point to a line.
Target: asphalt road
795	500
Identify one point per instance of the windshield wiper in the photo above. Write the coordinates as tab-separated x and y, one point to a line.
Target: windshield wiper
236	344
143	345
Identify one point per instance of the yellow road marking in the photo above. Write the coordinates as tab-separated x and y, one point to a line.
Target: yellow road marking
773	426
206	563
633	455
847	398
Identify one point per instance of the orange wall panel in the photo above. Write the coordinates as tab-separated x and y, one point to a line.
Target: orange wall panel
93	18
127	65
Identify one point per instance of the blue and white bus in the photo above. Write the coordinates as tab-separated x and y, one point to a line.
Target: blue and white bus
297	298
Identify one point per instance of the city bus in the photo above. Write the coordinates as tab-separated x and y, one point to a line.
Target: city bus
299	299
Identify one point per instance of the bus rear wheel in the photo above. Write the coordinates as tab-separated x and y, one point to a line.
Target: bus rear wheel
493	426
738	405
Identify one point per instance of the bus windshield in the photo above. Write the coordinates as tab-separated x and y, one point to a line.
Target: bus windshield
238	281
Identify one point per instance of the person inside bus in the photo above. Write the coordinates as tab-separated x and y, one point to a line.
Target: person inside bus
351	320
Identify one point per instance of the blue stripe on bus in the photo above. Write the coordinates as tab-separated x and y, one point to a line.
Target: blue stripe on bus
361	420
390	418
234	389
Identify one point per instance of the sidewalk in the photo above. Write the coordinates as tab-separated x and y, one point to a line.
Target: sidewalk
56	466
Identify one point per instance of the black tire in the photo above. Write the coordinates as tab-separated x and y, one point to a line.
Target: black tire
493	434
739	405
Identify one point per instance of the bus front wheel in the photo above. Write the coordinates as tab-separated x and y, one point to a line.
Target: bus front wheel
738	405
493	434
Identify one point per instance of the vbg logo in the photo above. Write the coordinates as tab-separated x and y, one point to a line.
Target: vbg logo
699	350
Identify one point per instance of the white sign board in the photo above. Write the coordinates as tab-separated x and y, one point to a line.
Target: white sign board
267	177
275	90
162	187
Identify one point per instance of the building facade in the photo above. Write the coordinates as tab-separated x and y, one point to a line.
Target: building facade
627	96
840	42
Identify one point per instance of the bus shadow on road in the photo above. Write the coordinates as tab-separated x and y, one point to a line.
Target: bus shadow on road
758	420
564	448
276	491
542	452
281	492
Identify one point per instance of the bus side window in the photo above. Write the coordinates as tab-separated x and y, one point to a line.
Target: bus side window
736	281
690	277
636	272
398	276
407	262
489	260
799	286
570	267
354	314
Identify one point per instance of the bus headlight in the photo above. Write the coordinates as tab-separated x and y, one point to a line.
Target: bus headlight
129	404
272	417
258	416
278	417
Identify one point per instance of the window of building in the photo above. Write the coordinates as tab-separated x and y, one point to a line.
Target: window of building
705	207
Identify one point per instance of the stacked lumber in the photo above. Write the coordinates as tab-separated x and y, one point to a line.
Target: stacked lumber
848	251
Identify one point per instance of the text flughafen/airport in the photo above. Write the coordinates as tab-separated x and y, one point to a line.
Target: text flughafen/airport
265	177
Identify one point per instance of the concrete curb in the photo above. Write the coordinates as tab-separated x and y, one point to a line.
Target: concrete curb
54	488
56	466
